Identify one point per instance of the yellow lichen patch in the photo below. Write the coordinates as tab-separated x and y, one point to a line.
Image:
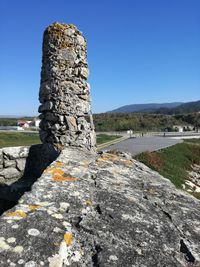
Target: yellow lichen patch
59	164
68	238
34	207
57	172
88	202
127	162
58	27
49	169
61	178
113	157
107	157
17	213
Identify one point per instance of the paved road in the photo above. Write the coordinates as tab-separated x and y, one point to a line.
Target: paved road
138	145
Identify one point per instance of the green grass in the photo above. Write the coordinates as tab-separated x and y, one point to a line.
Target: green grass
27	139
18	139
173	162
194	141
103	138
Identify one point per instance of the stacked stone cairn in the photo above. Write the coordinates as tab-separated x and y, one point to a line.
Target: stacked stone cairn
66	118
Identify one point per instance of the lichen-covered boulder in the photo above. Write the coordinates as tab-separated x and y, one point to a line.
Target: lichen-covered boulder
105	210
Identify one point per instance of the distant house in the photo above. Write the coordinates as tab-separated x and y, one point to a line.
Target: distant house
23	124
178	128
182	128
29	124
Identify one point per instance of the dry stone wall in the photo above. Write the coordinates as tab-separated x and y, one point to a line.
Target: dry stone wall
12	163
66	118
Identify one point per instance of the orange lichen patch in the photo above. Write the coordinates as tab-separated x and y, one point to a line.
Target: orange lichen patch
17	213
34	207
59	164
54	170
58	174
61	178
57	171
68	238
88	202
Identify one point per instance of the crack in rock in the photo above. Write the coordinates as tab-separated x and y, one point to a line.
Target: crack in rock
188	255
95	257
98	209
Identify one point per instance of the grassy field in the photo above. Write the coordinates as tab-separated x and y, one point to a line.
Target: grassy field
103	138
193	141
174	162
27	139
18	139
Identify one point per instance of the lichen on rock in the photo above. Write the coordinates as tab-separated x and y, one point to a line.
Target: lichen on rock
64	91
88	209
116	213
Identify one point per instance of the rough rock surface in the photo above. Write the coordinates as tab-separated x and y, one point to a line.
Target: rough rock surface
64	91
12	163
38	159
108	210
192	184
87	210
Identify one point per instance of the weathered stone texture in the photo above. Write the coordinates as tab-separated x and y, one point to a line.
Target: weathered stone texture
15	152
12	163
64	91
105	211
1	158
87	209
9	173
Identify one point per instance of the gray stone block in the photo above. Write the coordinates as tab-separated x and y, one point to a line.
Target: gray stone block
9	163
2	180
9	173
16	152
21	164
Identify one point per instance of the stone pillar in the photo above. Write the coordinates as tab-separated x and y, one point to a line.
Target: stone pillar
66	118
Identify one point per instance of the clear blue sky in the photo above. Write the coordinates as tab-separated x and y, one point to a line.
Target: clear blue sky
139	51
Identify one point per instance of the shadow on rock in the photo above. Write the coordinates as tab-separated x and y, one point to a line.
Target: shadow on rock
39	157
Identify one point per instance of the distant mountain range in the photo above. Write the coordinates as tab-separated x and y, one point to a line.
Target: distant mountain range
162	108
146	107
188	107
